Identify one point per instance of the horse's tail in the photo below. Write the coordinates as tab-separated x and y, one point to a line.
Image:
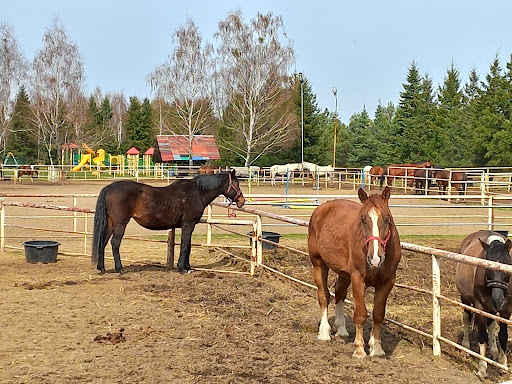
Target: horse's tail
383	176
100	224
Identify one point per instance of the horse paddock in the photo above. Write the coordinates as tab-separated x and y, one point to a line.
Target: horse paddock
63	322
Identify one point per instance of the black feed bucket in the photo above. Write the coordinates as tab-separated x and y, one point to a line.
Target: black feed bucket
270	236
503	233
41	251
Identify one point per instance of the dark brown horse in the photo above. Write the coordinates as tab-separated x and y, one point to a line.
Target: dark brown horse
360	243
487	290
179	205
444	177
393	171
423	180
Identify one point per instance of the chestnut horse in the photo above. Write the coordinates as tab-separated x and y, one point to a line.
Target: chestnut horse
487	290
402	170
211	170
179	205
360	243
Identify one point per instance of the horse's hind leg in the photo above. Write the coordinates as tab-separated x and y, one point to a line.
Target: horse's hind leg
117	235
341	293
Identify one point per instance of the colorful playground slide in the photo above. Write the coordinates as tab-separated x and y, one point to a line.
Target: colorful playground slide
84	160
98	160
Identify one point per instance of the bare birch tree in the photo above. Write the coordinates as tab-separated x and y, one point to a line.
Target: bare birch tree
119	108
57	89
255	61
185	80
12	71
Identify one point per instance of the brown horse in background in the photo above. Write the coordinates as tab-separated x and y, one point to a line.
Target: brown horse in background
487	290
375	173
458	179
211	170
360	243
393	171
27	170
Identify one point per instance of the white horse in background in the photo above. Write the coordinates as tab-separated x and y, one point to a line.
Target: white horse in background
318	170
244	171
282	170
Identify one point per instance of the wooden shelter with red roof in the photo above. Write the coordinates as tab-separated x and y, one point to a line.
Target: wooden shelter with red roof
176	148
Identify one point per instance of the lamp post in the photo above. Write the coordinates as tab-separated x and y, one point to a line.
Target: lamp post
301	118
335	92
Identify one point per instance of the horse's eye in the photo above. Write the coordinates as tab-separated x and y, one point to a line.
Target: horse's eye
363	219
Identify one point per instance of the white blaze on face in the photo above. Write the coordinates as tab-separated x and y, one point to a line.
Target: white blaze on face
374	216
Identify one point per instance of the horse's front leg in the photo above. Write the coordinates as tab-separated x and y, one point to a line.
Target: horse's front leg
117	236
186	239
360	314
379	312
503	338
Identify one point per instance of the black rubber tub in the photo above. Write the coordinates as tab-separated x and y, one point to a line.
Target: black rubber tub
504	233
41	251
270	236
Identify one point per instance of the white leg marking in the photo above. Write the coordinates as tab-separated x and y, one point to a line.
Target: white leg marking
339	319
324	331
502	358
375	347
467	325
374	216
493	348
482	365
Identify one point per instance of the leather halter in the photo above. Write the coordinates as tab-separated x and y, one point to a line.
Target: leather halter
231	185
497	284
382	242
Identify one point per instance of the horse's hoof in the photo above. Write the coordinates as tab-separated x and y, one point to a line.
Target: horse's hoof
102	271
121	272
184	271
358	354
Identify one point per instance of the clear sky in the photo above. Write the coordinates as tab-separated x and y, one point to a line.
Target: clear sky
362	47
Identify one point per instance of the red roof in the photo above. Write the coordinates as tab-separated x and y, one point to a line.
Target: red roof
150	151
175	147
132	151
69	146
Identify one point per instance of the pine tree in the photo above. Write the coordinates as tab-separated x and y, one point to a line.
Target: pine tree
362	142
383	128
22	140
453	149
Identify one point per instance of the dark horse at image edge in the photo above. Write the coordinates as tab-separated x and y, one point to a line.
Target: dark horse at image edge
179	205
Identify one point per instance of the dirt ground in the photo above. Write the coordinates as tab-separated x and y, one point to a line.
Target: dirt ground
64	323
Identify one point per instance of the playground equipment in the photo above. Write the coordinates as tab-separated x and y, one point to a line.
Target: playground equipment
116	164
132	156
88	159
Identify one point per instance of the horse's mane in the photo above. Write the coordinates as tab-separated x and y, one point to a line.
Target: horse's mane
209	182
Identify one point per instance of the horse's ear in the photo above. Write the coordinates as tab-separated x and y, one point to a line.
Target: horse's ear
233	172
363	196
386	193
508	244
485	246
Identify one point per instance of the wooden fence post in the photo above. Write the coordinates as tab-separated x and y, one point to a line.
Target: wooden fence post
436	307
259	243
85	233
2	225
171	235
490	220
209	226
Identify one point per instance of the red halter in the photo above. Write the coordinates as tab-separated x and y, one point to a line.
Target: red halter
231	213
382	242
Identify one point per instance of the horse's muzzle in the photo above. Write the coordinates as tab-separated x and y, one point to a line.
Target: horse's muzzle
240	201
498	298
